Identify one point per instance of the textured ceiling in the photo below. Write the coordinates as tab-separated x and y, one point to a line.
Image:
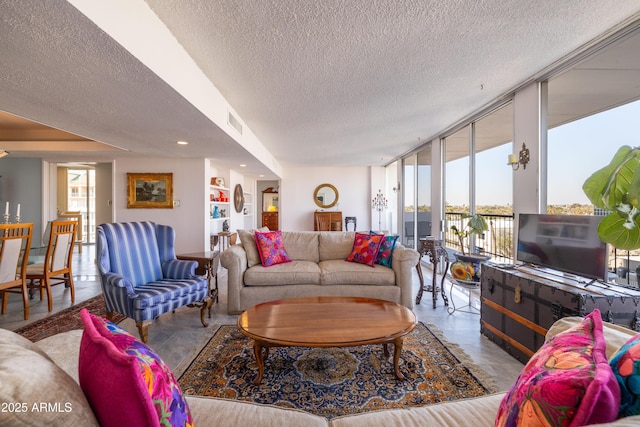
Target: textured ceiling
329	82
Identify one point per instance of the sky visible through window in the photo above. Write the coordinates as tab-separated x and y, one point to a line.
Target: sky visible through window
575	151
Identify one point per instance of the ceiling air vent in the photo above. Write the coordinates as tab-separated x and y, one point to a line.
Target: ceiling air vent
235	123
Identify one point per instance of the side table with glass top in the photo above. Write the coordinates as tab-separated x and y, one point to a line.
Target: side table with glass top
208	262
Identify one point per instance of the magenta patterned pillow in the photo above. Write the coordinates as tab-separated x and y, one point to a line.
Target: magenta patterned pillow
567	382
125	381
365	248
626	367
270	248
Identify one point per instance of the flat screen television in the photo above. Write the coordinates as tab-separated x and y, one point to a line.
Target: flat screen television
568	243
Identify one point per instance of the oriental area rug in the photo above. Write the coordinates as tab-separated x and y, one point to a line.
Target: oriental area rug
65	320
330	382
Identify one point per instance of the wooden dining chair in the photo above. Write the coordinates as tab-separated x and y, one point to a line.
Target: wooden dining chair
58	260
15	241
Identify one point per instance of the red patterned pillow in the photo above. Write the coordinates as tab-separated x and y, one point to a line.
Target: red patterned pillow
365	248
270	248
568	382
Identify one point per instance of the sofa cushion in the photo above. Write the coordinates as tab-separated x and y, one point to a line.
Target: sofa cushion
248	240
334	245
568	381
340	272
365	248
301	245
270	248
35	391
291	273
125	381
626	367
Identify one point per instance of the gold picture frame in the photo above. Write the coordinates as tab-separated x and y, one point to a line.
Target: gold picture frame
150	190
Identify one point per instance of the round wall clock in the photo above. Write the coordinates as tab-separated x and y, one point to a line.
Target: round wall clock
238	198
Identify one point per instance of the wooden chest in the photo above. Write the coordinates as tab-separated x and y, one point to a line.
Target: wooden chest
519	305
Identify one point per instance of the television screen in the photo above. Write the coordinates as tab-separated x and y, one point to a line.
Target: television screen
568	243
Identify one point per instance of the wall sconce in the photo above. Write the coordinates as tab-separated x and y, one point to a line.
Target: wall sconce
523	158
396	188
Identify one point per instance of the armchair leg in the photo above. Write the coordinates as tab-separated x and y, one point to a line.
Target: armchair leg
206	305
143	330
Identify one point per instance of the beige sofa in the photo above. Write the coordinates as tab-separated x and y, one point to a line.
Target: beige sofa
46	373
318	269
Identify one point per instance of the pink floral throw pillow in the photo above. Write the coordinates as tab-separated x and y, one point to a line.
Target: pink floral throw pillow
567	382
365	248
270	248
125	381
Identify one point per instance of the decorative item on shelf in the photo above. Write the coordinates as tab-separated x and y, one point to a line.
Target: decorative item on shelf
380	204
217	181
522	159
216	212
223	213
225	225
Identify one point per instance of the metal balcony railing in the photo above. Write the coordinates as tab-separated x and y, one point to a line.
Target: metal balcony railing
497	241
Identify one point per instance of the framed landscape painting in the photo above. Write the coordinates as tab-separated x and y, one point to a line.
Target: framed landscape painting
150	190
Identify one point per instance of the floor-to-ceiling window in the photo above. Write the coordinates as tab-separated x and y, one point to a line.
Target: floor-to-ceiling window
408	202
423	193
456	178
494	183
81	197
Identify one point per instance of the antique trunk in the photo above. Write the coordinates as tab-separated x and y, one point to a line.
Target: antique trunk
518	305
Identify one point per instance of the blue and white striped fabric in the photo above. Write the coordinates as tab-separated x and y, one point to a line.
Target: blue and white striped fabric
139	272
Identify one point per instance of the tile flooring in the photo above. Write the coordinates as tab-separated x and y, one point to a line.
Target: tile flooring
177	337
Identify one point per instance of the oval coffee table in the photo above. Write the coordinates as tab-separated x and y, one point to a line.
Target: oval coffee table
326	322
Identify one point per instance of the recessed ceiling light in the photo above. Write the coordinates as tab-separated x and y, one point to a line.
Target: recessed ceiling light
243	165
183	143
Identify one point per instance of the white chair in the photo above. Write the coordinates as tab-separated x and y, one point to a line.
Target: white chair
15	241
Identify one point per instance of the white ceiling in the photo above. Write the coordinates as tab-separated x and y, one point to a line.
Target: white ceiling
329	82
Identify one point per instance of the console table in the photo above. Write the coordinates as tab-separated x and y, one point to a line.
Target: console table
435	250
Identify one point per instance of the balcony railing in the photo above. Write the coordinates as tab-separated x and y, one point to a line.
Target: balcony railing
497	241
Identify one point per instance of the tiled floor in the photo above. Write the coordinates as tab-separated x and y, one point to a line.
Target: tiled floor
177	337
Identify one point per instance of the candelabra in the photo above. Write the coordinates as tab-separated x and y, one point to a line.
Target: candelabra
379	203
6	218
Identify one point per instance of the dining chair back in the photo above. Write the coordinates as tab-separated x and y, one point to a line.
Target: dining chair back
57	266
15	241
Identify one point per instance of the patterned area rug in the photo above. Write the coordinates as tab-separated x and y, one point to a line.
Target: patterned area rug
335	381
65	320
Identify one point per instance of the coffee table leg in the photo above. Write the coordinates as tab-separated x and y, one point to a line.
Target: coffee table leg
397	344
259	352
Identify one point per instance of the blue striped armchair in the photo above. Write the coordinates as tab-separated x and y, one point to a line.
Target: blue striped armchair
140	275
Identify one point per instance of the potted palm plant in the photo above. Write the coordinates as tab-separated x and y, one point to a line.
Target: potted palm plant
616	187
467	267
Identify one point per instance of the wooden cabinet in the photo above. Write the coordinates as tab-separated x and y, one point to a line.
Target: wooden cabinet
327	221
270	220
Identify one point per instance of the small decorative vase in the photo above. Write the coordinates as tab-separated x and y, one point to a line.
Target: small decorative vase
467	267
216	212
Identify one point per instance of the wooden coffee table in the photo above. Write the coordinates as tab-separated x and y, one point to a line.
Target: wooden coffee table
326	322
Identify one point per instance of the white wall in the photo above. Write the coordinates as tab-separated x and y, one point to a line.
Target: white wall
298	185
189	178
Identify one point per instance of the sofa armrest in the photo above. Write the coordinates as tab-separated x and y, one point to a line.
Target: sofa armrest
234	259
403	263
